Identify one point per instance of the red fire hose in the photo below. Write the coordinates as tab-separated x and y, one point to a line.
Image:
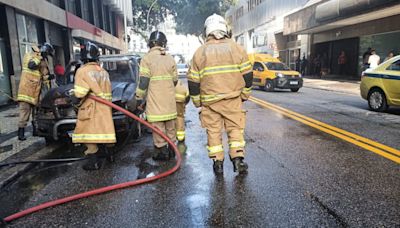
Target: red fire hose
112	187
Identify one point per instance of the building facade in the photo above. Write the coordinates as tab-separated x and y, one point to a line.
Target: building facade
258	26
66	24
348	26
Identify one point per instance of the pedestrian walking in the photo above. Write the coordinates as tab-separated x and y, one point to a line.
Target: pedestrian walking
158	77
182	98
220	79
95	124
374	60
59	72
304	64
317	66
35	73
342	61
366	56
389	56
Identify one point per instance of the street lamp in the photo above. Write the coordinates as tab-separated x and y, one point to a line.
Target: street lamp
148	15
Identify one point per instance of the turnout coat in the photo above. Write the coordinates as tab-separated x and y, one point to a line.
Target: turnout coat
95	123
31	79
158	76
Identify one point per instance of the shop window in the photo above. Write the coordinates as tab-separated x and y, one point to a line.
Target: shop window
27	33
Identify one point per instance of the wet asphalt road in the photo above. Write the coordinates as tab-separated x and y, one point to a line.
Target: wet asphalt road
298	176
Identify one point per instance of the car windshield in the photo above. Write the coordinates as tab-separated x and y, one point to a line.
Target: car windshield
119	70
182	66
276	66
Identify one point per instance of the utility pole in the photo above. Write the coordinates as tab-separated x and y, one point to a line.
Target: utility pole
125	33
148	15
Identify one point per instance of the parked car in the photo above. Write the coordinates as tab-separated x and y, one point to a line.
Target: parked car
55	117
182	69
270	73
381	86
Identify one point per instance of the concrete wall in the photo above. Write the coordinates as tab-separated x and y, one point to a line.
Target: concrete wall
39	8
367	28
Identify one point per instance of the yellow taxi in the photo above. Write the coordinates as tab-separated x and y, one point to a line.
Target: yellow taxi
381	86
270	73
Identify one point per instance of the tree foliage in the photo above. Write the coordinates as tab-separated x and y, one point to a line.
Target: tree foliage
157	15
189	14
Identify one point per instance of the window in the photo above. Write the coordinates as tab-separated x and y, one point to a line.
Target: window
85	11
239	13
258	66
71	5
27	33
276	66
395	66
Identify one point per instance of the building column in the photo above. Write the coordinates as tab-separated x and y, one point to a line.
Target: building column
14	45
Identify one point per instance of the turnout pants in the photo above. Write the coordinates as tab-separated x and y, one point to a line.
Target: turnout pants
228	115
168	128
25	110
180	121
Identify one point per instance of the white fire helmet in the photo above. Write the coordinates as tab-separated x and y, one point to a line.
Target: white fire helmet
215	23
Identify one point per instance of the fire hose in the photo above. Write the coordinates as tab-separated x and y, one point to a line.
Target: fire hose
112	187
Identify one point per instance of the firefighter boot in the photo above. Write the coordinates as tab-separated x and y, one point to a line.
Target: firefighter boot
21	134
171	152
239	165
93	162
161	154
107	153
218	167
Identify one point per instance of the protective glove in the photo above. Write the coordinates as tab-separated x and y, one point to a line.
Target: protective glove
76	102
51	77
71	92
139	103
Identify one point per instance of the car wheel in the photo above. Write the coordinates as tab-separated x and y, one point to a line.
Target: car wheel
377	100
295	90
269	86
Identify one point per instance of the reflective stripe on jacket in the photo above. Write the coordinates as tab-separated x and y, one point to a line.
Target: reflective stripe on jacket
31	79
158	75
181	92
217	69
95	123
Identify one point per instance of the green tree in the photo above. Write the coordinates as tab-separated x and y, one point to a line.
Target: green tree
157	15
191	14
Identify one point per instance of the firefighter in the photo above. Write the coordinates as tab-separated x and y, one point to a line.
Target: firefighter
158	77
35	72
95	123
182	98
220	79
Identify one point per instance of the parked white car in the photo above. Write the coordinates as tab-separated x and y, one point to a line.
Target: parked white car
182	69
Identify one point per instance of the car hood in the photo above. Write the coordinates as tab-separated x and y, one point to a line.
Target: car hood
121	92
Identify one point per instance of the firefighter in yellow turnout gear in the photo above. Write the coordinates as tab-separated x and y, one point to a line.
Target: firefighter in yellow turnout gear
35	72
158	77
95	123
220	79
182	98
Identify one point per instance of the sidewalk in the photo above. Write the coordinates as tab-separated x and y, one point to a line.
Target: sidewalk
11	149
341	86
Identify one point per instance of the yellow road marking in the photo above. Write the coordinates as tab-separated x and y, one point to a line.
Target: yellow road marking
378	148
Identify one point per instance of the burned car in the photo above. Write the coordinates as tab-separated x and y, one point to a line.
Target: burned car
55	117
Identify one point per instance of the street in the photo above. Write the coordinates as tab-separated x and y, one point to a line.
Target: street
301	174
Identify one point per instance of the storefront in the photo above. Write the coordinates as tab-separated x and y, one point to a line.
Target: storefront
382	43
329	52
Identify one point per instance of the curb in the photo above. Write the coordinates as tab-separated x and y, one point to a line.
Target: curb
333	90
11	174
